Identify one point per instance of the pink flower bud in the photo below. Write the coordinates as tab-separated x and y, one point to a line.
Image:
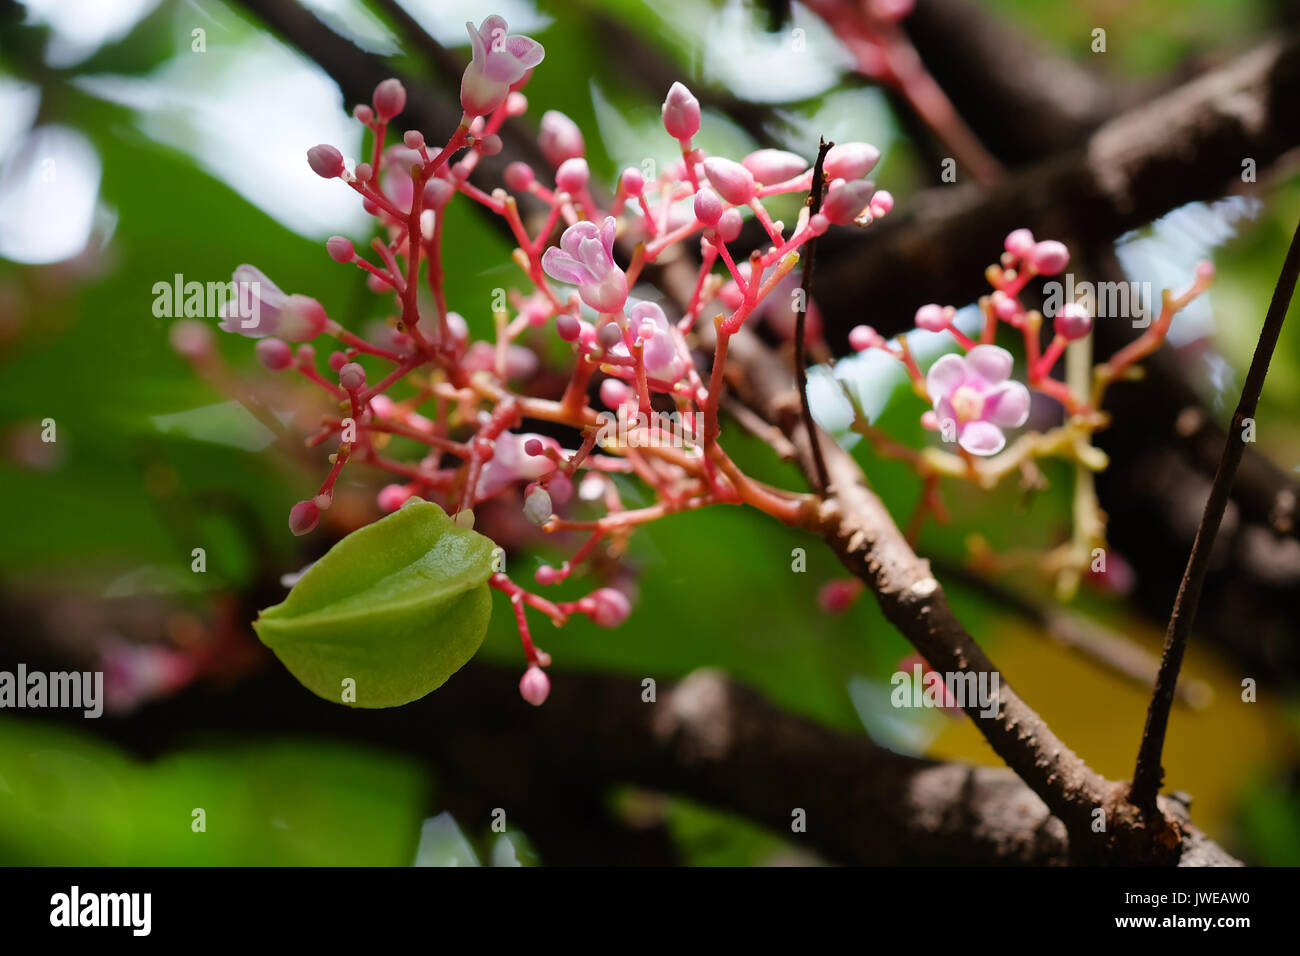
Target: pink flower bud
633	182
516	103
535	686
519	176
490	145
846	200
881	203
850	160
340	248
681	112
708	207
325	161
303	517
389	98
1205	270
337	360
614	392
363	113
572	176
609	335
567	326
500	62
770	166
836	597
733	181
729	225
190	338
1019	242
560	138
413	139
1049	257
363	172
392	497
273	354
931	318
352	376
863	337
437	193
612	607
302	318
1073	321
534	447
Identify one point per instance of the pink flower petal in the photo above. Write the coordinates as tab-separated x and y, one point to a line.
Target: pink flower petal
945	375
1007	405
982	438
989	362
526	50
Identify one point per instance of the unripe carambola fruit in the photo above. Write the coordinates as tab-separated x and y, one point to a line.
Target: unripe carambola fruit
397	607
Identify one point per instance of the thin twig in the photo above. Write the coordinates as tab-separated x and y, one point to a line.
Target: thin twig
1149	774
800	346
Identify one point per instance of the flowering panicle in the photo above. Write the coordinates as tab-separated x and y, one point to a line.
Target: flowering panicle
497	428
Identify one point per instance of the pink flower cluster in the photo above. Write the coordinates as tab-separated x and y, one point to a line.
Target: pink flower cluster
501	444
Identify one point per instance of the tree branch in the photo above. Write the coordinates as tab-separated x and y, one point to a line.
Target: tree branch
1148	774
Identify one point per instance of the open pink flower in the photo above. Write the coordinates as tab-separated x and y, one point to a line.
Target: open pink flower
258	308
585	258
973	394
500	61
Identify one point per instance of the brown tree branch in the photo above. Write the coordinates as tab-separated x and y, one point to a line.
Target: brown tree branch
1148	774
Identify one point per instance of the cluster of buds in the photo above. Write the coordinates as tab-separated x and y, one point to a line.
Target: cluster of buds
493	423
972	397
468	403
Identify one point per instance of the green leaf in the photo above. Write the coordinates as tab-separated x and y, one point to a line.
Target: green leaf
397	607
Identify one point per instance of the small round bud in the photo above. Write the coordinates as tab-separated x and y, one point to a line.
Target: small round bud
708	207
535	686
838	596
614	392
392	497
437	193
845	201
1019	242
413	139
352	376
537	506
534	447
609	335
850	161
516	103
325	161
337	360
363	113
881	203
303	517
559	138
612	607
633	182
273	354
363	172
733	181
1073	321
729	225
770	166
340	248
572	176
863	337
190	338
490	145
519	176
931	318
1049	257
681	113
389	98
568	327
561	488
